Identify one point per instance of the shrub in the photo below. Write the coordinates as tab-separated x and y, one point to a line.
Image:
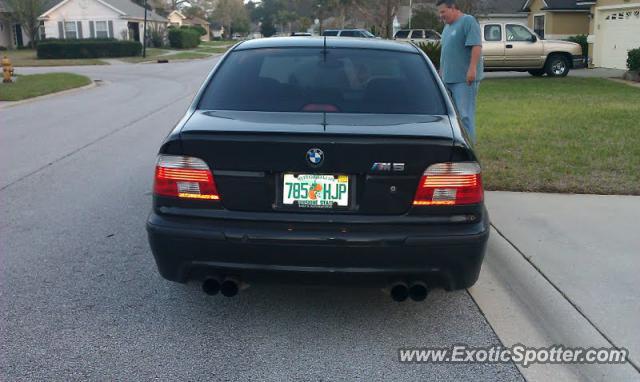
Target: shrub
267	28
87	48
582	40
633	60
157	39
432	49
183	38
196	28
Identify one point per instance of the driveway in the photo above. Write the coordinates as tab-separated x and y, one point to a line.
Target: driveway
81	298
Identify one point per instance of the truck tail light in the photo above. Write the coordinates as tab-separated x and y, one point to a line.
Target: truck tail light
450	184
184	177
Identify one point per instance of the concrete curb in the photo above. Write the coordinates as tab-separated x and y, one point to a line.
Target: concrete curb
523	307
626	82
9	104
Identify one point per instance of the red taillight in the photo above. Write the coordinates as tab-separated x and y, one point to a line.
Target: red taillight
184	177
450	184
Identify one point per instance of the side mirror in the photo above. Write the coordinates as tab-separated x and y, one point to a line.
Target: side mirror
534	38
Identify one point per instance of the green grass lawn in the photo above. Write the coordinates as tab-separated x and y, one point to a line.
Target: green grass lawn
40	84
27	57
186	56
219	43
152	55
577	135
213	50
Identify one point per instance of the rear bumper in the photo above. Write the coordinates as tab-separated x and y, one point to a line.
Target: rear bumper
193	249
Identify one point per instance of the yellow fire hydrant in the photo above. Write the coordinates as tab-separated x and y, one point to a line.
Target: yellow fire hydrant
7	70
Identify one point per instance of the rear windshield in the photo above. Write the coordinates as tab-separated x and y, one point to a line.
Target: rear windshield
402	34
308	80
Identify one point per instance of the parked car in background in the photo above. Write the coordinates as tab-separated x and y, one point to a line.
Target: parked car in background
514	47
417	35
363	33
300	34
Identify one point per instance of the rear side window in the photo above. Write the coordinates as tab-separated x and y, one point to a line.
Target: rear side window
330	33
432	35
402	34
417	34
492	33
340	80
350	34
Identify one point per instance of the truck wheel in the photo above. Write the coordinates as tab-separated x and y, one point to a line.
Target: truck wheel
537	72
557	66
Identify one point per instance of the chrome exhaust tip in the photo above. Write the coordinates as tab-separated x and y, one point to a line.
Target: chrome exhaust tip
229	287
399	292
211	286
418	291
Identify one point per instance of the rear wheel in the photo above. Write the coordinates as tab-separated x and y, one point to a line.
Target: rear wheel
557	66
537	72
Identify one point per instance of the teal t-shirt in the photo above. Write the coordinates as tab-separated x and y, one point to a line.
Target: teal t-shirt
457	41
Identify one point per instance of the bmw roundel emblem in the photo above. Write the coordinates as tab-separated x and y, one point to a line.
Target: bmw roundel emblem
315	157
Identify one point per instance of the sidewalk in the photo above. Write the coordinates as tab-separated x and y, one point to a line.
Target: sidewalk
574	265
590	73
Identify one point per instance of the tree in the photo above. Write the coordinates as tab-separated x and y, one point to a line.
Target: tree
231	13
379	14
469	6
304	23
194	11
426	18
267	29
175	5
26	12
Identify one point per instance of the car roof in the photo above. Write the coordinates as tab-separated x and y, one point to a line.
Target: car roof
318	42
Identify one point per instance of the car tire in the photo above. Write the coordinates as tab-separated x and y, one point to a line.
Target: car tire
537	72
557	66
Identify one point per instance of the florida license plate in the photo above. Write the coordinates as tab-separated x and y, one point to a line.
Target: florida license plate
316	191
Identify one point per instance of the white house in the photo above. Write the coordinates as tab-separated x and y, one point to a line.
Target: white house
12	35
119	19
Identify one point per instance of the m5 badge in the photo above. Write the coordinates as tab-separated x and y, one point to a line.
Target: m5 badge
387	167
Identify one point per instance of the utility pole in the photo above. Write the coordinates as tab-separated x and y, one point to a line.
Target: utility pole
410	12
144	38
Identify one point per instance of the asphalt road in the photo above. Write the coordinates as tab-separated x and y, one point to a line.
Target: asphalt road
81	298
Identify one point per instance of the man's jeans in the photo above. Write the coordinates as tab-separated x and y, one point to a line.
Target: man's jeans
464	96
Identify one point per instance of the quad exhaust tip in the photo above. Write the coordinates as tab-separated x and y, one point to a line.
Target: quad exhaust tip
399	291
228	286
417	291
211	286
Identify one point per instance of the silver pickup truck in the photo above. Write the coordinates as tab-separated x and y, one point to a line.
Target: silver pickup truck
514	47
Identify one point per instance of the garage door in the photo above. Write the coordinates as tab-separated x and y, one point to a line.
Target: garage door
619	31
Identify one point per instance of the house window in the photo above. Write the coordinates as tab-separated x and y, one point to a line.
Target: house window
538	25
101	29
70	30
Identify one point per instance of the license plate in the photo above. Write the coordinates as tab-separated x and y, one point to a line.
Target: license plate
316	191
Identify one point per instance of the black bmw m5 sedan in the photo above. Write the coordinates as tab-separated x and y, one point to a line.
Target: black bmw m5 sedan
320	160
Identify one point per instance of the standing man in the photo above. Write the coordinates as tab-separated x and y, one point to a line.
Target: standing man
461	65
